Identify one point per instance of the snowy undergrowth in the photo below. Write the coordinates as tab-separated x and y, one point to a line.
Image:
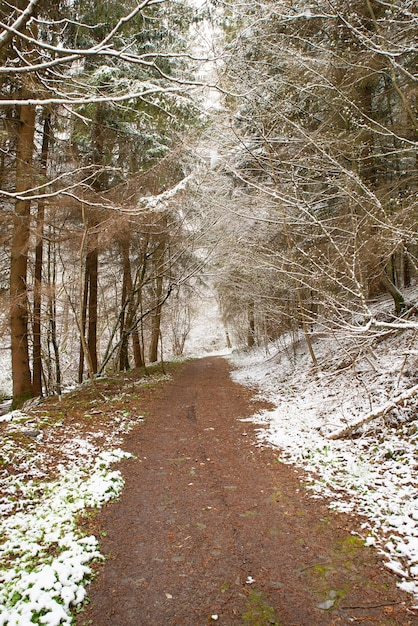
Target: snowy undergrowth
55	470
45	558
373	474
59	475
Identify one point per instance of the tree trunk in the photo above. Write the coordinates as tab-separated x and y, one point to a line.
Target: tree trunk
136	346
131	316
88	315
156	318
92	258
52	315
138	333
126	294
92	262
367	160
22	380
37	290
406	268
251	326
156	322
138	336
398	298
83	320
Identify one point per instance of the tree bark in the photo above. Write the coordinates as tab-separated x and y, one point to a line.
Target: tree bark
52	316
136	344
89	310
83	320
22	379
92	257
92	262
131	316
156	318
37	290
251	326
398	298
126	294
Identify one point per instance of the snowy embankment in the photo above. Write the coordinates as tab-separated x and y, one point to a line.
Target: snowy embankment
45	557
372	473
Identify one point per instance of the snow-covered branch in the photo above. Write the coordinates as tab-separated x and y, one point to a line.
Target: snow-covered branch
378	412
24	16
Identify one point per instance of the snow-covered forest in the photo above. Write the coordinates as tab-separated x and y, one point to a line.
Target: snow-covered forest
182	177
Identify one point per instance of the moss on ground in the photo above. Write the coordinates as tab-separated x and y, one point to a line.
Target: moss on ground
258	612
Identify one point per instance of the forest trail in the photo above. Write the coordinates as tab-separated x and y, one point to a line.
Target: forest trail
211	528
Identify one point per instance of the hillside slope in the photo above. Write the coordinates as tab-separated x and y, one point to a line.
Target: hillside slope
373	470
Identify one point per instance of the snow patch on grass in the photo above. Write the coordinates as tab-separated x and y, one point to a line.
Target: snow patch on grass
45	558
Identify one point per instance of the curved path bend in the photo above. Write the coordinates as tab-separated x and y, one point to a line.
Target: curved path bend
211	528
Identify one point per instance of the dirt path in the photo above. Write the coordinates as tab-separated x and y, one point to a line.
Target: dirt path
211	528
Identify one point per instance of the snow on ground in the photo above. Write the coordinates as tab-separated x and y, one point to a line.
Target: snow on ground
45	557
374	473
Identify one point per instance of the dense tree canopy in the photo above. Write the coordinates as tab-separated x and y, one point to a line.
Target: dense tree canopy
95	111
307	211
325	139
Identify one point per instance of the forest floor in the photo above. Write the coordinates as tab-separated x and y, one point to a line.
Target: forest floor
212	527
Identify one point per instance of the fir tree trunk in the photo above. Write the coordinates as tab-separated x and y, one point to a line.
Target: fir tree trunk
251	326
83	320
136	344
130	323
92	258
126	294
37	290
22	379
52	316
156	322
156	318
92	262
